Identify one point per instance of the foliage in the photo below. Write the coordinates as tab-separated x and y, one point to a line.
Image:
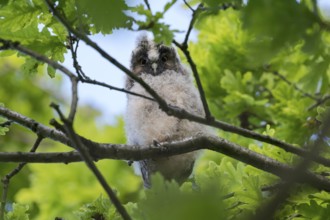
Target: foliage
19	212
3	130
101	208
264	66
160	30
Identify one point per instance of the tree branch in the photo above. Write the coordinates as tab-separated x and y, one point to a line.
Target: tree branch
276	73
34	126
41	157
147	4
85	79
319	102
135	153
16	46
184	49
6	179
84	152
60	137
186	3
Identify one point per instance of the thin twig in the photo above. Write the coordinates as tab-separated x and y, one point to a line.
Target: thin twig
74	44
191	25
135	153
16	46
84	152
263	189
208	115
319	102
276	73
6	179
184	49
186	3
147	4
95	82
74	99
85	79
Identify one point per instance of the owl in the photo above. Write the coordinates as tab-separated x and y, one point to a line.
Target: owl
145	123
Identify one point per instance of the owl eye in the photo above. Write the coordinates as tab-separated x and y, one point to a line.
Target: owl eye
143	61
164	58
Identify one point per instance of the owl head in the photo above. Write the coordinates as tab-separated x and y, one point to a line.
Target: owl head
153	58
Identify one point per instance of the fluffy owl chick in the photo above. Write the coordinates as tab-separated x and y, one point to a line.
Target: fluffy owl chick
159	66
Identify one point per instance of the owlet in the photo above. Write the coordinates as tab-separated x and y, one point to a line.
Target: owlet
159	66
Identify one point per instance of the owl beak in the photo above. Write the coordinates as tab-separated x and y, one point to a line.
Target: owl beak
154	67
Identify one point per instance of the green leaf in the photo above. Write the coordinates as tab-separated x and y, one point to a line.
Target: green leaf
165	200
18	15
141	10
168	5
251	195
3	130
51	71
314	211
19	212
265	19
105	16
101	208
6	53
163	33
216	3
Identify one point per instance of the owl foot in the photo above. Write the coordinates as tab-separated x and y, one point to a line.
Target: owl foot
130	162
156	143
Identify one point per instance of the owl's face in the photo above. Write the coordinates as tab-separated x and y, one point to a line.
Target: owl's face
154	59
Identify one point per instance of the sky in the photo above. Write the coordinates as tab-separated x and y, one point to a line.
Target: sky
120	45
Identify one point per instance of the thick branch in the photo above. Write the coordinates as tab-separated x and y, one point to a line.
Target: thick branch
129	152
41	157
60	137
34	126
